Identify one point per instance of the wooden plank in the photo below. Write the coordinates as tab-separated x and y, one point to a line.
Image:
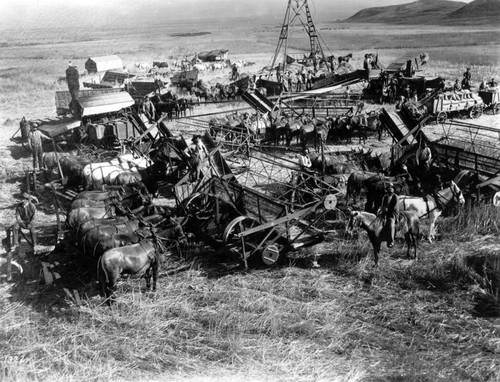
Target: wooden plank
489	181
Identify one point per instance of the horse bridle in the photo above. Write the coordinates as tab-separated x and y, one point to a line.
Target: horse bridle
454	195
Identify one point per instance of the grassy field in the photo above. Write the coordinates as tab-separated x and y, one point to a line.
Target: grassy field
427	320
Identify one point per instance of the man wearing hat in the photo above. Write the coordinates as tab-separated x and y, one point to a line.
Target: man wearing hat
35	137
389	210
466	80
197	153
25	219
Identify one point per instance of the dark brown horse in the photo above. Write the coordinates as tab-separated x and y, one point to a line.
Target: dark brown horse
141	259
408	225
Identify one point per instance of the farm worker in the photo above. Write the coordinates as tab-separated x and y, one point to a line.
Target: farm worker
456	86
482	86
389	211
492	83
466	80
148	109
299	82
424	157
407	92
25	219
304	160
303	73
290	81
234	75
309	80
35	137
414	96
198	153
367	63
278	73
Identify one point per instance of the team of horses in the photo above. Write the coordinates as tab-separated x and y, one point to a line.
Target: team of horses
300	129
120	230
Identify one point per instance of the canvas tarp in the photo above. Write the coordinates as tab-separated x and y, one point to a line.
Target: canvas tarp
105	103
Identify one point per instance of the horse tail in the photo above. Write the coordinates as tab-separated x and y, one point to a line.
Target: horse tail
102	276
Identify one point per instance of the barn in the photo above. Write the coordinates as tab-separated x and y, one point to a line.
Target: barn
103	64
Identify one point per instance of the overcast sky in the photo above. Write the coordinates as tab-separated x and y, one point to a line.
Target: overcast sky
26	13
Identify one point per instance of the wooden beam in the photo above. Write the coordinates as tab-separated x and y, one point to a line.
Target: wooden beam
489	181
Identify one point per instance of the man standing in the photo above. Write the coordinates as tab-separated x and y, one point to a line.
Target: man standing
35	137
299	82
198	154
389	210
424	157
467	79
367	64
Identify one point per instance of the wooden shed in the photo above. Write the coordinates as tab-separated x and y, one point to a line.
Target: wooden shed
103	64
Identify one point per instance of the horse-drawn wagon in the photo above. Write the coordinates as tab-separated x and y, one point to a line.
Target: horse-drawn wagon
446	104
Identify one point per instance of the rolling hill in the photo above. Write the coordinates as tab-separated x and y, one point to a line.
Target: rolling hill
418	12
441	12
478	10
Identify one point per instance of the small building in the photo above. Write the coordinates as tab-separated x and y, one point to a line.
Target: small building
103	64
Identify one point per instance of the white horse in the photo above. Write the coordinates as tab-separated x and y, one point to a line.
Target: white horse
98	174
432	208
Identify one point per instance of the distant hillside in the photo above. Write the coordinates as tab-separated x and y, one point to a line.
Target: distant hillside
418	12
483	10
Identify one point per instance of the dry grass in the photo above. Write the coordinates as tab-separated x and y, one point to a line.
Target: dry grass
413	321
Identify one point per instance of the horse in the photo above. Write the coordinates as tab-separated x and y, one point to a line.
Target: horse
355	184
408	225
434	205
98	174
375	190
99	239
139	259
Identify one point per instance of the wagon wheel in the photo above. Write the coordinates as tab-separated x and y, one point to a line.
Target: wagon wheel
249	245
496	108
199	205
476	111
441	117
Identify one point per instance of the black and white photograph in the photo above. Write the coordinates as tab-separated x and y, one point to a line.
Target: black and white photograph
250	190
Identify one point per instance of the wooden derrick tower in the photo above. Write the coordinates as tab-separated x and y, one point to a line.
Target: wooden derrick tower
297	13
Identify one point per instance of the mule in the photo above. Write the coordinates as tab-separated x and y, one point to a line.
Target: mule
409	226
434	205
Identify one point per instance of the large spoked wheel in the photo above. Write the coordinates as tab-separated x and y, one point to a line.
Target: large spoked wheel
496	108
249	246
200	206
476	111
441	117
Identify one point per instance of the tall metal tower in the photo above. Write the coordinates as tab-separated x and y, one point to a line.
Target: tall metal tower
297	12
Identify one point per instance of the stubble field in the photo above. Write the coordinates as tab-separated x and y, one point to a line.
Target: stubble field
419	320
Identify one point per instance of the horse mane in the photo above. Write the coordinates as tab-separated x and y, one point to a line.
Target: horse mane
373	219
